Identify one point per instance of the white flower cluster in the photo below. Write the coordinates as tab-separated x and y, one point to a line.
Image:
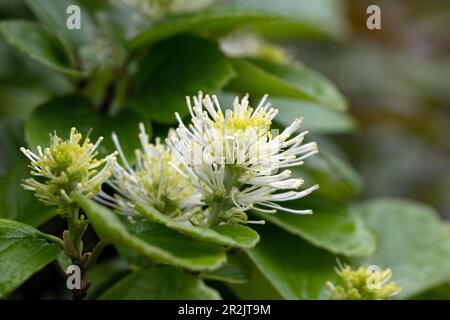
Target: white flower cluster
236	162
211	171
153	180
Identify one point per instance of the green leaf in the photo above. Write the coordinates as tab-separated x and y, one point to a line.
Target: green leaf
23	252
53	15
412	242
11	139
39	44
331	227
237	269
62	113
257	287
200	255
200	22
104	274
133	258
168	74
316	118
297	82
295	268
287	19
233	235
160	283
337	179
19	101
441	292
19	204
153	240
317	18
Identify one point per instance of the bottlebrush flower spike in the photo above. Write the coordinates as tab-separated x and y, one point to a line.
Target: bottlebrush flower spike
364	283
236	161
67	166
152	181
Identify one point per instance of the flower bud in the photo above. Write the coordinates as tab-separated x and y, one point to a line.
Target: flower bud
364	283
65	167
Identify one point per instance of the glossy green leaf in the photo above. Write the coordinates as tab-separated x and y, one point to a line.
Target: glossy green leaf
133	258
316	118
53	15
441	292
63	113
336	178
160	283
200	255
294	267
279	80
39	44
237	269
317	18
257	287
19	204
25	83
174	69
23	252
233	235
200	22
412	242
11	139
331	227
18	102
104	274
288	19
153	240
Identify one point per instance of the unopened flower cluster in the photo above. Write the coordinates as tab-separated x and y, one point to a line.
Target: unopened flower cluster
212	169
364	283
65	167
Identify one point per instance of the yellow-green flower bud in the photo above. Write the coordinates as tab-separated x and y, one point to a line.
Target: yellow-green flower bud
67	166
153	180
364	283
